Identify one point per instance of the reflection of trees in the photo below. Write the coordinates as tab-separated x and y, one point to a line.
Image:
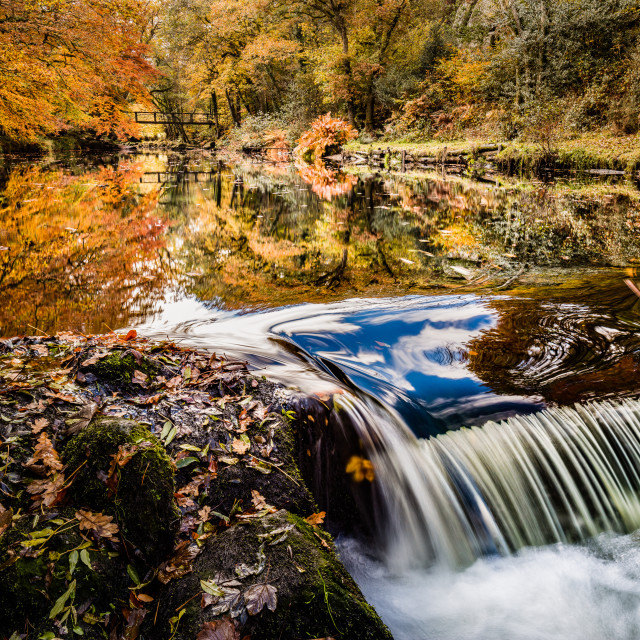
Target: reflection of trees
326	183
566	343
79	251
268	235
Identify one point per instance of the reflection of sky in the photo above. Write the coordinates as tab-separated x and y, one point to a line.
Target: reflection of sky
411	355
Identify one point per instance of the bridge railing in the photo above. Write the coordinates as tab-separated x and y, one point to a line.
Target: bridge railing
158	117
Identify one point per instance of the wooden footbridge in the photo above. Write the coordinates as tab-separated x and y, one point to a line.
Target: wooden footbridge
162	177
157	117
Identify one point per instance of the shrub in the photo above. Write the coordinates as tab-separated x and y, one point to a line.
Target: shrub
326	133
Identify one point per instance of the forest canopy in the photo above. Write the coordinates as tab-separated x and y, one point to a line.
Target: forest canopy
410	69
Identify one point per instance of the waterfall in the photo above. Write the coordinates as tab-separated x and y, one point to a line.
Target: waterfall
562	475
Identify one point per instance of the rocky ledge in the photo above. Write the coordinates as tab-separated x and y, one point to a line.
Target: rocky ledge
151	491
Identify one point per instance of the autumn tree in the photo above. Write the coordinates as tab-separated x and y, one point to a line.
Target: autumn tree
70	63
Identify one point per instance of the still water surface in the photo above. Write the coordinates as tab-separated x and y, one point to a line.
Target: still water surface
450	302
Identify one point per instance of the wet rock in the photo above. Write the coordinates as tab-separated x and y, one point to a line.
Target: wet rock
281	558
137	488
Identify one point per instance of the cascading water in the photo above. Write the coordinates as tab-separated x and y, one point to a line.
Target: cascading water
515	529
562	475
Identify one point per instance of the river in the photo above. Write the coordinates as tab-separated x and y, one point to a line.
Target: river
427	304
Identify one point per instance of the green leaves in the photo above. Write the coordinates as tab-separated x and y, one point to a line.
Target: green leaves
210	587
60	603
73	560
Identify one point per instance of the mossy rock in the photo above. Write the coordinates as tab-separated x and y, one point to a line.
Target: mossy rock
142	502
316	597
30	585
119	366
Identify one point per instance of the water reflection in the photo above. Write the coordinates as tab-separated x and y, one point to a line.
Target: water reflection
260	236
175	243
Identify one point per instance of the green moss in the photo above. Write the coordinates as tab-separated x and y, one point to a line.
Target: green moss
329	604
317	598
30	586
142	501
120	365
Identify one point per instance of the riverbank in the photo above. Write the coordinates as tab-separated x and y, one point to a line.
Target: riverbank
596	151
153	491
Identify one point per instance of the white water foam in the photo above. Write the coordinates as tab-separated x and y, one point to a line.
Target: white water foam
560	592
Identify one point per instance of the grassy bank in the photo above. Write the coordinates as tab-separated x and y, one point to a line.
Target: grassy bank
590	151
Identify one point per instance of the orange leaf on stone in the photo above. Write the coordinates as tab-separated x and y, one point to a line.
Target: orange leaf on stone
316	518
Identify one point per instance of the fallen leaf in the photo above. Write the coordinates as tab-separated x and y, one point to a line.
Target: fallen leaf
39	425
361	469
98	522
218	630
47	492
134	622
260	503
316	518
139	377
94	359
231	601
40	349
131	335
6	518
46	454
81	419
240	446
258	596
180	564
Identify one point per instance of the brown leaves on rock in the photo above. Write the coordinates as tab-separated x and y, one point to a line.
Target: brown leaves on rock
258	596
6	518
219	630
45	460
98	522
316	518
139	378
81	419
47	492
179	564
39	425
260	503
240	446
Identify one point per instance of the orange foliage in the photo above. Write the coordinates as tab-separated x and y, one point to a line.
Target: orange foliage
325	132
71	244
325	182
70	63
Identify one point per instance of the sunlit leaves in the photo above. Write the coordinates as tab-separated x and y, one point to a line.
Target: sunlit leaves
325	132
69	66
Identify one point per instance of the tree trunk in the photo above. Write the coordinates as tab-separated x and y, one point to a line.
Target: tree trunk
232	109
239	108
369	121
216	115
351	111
